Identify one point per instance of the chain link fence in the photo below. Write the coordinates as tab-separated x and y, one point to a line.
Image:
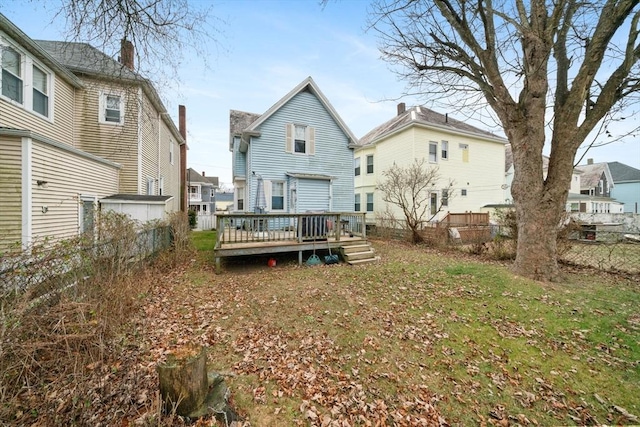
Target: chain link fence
605	250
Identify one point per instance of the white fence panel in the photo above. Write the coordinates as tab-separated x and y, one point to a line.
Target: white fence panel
205	222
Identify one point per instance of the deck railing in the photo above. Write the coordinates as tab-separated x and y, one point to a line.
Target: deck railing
302	227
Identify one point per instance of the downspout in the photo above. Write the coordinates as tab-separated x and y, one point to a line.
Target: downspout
159	146
140	141
27	194
182	123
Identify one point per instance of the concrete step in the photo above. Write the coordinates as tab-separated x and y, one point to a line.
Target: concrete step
359	255
356	248
364	261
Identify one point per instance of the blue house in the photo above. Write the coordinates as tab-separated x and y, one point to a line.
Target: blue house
627	186
296	157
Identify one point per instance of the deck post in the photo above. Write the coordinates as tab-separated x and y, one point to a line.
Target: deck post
218	266
299	257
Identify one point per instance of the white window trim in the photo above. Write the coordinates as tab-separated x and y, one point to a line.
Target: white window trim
433	144
103	107
26	68
444	150
268	190
373	167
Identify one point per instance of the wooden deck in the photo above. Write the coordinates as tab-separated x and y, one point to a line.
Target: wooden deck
256	234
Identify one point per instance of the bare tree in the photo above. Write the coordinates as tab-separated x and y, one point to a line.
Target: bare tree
409	188
568	64
162	31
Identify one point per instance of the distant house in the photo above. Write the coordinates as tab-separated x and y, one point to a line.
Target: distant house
574	187
596	186
469	157
76	127
201	192
626	188
224	202
295	157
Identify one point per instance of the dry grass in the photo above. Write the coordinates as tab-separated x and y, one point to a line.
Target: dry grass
420	338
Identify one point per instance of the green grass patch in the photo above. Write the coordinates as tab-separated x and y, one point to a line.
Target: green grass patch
422	333
204	240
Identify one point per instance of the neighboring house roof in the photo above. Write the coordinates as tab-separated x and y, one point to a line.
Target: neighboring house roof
508	159
36	50
307	84
85	60
224	197
421	116
591	174
240	120
137	198
194	177
623	173
585	197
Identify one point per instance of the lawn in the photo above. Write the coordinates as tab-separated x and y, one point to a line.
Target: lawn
419	338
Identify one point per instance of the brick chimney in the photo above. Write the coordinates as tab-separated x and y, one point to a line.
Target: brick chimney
589	161
182	127
126	54
401	108
203	173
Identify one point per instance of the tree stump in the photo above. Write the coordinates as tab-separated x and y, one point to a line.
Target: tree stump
188	389
183	382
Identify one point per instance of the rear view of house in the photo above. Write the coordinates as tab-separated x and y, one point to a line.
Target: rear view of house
296	157
76	127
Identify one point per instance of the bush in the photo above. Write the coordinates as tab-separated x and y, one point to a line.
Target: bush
193	218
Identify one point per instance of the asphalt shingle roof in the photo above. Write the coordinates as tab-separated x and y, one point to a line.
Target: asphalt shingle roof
623	173
425	116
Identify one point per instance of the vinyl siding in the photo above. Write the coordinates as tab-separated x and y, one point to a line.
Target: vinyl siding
170	172
482	175
112	142
149	136
62	127
629	194
68	176
313	195
239	160
332	156
10	191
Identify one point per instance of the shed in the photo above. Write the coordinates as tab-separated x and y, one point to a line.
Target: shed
140	208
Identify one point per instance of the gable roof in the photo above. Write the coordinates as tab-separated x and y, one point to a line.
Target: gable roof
424	117
82	58
307	84
85	60
623	173
591	174
37	51
194	177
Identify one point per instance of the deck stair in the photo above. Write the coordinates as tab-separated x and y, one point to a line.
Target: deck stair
359	252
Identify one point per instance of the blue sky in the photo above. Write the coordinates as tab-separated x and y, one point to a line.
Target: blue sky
264	49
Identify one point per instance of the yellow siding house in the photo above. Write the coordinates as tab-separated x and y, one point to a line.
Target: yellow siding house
472	159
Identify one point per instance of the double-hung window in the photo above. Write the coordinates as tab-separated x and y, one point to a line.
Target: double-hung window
433	152
19	71
445	197
356	166
12	74
370	163
277	195
240	197
111	108
356	206
369	202
40	91
444	150
300	140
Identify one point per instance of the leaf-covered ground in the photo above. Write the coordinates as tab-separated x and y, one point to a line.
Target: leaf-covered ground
420	338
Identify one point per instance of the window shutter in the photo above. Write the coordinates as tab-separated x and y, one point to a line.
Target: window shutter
312	140
289	139
267	193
